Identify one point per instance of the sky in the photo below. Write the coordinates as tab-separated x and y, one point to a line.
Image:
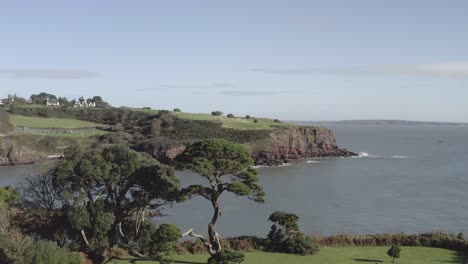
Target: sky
291	59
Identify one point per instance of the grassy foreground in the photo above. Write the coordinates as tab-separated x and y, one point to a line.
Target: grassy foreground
42	122
413	255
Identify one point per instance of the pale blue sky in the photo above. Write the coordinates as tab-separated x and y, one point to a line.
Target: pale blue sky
295	60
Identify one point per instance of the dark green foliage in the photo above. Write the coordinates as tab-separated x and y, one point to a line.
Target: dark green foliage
227	162
164	241
227	168
5	124
106	188
100	103
394	252
176	110
142	240
9	195
217	113
20	249
189	130
255	121
41	98
276	121
285	236
120	138
230	116
247	117
108	115
146	108
227	257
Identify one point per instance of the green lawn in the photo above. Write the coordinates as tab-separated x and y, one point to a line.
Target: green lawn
237	122
41	122
413	255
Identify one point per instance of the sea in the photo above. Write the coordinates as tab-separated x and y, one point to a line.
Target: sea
407	178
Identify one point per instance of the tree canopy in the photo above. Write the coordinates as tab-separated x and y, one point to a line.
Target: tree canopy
227	167
104	188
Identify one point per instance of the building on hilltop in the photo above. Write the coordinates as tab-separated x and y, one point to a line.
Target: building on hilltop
84	103
52	102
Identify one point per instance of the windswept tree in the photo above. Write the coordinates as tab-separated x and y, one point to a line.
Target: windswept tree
227	167
102	189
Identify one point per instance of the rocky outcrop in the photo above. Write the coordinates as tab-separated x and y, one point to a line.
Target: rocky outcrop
279	147
296	143
19	155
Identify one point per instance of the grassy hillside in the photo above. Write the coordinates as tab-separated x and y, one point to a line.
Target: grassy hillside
348	255
42	122
236	123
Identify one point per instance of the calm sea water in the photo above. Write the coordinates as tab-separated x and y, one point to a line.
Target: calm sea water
414	179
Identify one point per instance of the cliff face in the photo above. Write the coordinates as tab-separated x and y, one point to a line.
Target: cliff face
15	155
282	145
295	143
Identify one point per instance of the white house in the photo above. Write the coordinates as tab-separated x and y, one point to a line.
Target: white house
52	102
84	103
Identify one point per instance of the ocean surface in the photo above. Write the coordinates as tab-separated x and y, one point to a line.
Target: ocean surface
408	179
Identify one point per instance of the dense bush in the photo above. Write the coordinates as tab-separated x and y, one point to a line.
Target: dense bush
18	248
230	116
255	121
436	239
247	117
176	110
217	113
197	130
227	257
276	121
163	241
285	236
394	252
110	116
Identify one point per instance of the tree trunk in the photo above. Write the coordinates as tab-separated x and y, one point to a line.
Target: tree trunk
83	234
214	237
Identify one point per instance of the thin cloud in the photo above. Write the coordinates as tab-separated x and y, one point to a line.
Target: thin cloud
187	86
437	70
257	93
40	73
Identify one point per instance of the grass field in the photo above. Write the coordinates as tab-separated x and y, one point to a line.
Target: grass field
41	122
409	255
237	123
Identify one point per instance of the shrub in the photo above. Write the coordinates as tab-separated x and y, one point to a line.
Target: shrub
227	257
217	113
247	117
285	237
18	248
176	110
147	108
394	252
230	116
276	121
255	121
163	242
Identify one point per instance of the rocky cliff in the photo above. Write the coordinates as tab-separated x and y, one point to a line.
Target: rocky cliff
15	155
296	143
280	146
